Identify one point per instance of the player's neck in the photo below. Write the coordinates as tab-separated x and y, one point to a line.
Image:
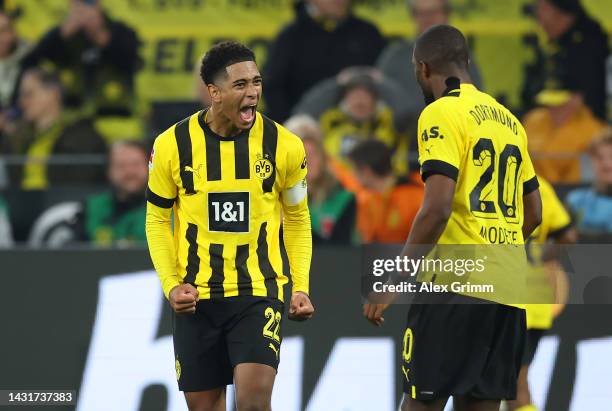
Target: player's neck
220	124
440	85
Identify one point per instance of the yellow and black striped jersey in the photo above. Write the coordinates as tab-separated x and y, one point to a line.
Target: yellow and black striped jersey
226	194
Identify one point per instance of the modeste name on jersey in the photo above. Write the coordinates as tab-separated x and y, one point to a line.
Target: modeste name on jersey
499	235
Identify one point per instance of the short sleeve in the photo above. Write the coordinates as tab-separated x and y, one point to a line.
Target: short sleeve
162	189
441	142
296	162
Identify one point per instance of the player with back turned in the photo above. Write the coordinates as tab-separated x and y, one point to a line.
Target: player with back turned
228	172
480	188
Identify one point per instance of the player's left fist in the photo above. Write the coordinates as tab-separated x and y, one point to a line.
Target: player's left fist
300	308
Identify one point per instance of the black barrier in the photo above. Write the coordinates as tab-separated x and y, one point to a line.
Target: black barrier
50	309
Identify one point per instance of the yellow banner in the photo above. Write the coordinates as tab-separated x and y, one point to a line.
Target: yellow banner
175	33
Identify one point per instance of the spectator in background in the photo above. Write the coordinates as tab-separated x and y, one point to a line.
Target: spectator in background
592	207
324	38
558	139
47	130
360	115
396	60
117	216
574	59
388	206
96	56
6	237
332	208
12	51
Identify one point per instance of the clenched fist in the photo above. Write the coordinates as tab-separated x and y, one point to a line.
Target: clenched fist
300	308
183	299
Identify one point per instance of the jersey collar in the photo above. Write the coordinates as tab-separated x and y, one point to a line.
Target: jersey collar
454	86
208	131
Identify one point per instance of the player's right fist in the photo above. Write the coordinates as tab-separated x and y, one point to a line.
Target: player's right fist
183	299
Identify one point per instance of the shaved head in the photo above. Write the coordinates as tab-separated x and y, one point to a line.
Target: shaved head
440	53
443	48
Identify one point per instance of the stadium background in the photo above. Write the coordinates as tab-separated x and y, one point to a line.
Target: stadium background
94	320
176	32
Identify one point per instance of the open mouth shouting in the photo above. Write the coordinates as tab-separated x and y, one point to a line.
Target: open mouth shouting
247	113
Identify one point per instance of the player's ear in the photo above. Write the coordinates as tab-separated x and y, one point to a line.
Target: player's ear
425	69
215	93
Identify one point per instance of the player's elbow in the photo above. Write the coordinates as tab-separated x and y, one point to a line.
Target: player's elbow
298	214
156	228
437	214
297	219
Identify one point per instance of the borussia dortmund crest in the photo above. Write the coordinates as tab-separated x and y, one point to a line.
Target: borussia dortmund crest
263	167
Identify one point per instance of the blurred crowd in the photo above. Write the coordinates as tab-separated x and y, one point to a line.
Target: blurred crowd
67	177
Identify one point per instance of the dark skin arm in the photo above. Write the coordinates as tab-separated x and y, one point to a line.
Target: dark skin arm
426	229
570	236
532	209
433	214
552	250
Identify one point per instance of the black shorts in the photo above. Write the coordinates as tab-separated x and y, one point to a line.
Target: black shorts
534	335
222	334
462	349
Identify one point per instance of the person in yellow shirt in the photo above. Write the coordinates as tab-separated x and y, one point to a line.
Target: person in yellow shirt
480	189
227	172
547	283
361	115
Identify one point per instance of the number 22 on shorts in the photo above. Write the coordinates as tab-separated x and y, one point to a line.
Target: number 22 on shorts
272	327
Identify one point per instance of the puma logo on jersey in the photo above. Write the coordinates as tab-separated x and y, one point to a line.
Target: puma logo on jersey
195	171
434	132
274	349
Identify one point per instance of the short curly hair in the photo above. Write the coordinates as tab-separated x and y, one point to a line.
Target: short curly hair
222	55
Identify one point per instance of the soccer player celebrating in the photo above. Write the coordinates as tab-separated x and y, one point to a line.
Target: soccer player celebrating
479	180
228	171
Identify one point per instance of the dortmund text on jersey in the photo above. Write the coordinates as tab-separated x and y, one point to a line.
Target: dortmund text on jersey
468	136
